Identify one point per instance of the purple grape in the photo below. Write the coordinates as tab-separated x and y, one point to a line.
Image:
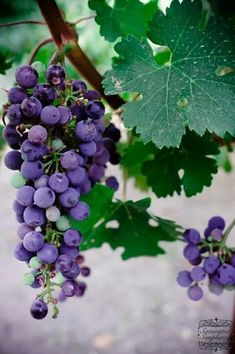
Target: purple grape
85	271
24	195
96	172
80	212
37	134
55	75
92	95
217	234
69	198
12	137
214	286
73	273
50	115
232	260
14	114
198	274
112	183
85	130
16	95
211	264
64	263
32	152
32	170
65	114
41	182
184	279
21	253
45	93
38	280
72	238
115	159
88	149
69	160
34	216
31	107
62	297
192	236
191	252
81	288
39	309
26	76
216	223
18	208
226	274
44	197
85	186
58	182
78	110
99	148
48	254
103	158
95	109
19	218
69	251
23	229
13	160
109	145
81	160
79	86
33	241
207	232
195	293
69	288
80	259
112	132
100	124
76	176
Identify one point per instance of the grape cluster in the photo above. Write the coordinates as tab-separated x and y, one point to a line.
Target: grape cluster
60	145
211	257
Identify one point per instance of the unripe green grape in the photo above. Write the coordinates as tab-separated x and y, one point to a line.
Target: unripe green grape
35	263
63	223
17	180
52	214
58	279
57	144
28	278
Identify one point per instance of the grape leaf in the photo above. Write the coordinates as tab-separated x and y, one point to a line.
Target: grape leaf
6	60
126	16
135	232
187	91
193	158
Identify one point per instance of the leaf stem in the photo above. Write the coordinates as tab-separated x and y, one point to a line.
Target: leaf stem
83	19
227	232
24	22
38	47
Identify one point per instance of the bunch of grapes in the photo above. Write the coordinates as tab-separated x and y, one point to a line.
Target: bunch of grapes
211	258
60	147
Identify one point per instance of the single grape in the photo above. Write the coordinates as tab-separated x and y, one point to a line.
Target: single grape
33	241
80	212
80	259
65	115
55	75
192	236
69	251
64	263
226	274
24	195
21	253
69	288
57	144
84	187
95	109
69	160
26	76
76	176
17	180
78	110
198	274
191	252
32	170
79	86
72	238
28	278
73	273
96	172
13	160
53	214
184	279
12	137
85	271
211	264
16	95
23	229
195	293
85	130
41	182
14	114
45	93
48	254
39	309
214	286
63	223
35	263
217	234
115	159
18	208
37	134
58	182
216	223
112	183
81	288
32	152
44	197
112	132
50	115
34	216
59	278
88	149
31	107
69	198
99	148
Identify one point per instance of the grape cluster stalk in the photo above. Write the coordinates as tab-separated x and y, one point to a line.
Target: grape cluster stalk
61	145
213	261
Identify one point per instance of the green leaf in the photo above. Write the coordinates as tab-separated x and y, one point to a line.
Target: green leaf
137	232
125	17
6	60
223	160
193	159
187	91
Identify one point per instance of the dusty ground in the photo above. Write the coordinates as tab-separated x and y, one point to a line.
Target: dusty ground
132	307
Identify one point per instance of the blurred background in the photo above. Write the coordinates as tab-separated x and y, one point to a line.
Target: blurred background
131	307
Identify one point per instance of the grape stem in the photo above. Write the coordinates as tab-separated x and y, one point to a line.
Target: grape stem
227	232
64	34
24	22
38	47
83	19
